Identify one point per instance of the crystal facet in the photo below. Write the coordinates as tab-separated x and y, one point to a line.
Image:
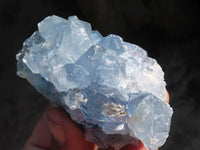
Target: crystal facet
109	86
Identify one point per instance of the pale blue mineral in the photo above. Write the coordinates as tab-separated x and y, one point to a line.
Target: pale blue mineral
109	86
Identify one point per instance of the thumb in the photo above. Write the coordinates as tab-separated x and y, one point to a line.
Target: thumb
66	133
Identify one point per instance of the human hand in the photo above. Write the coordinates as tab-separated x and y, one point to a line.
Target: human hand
56	131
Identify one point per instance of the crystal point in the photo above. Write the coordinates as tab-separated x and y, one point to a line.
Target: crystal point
109	86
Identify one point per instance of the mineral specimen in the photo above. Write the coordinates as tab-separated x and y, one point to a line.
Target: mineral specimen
109	86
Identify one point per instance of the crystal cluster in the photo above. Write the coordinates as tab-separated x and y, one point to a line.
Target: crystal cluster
109	86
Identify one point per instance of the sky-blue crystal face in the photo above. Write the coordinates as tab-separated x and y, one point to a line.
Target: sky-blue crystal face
110	86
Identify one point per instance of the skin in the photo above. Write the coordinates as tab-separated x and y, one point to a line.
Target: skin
56	131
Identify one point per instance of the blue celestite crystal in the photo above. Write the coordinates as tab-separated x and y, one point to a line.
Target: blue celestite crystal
109	86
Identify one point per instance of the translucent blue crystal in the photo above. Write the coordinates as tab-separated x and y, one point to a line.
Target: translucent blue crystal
109	86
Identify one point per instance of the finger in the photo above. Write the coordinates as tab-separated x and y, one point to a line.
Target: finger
140	146
66	132
167	96
40	138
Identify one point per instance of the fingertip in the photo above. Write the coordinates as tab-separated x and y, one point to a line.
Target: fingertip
58	134
167	96
56	116
56	120
140	146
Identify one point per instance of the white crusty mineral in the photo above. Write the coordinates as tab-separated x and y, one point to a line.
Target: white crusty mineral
109	86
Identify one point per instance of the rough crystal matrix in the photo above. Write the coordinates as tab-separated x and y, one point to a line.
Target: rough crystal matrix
109	86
